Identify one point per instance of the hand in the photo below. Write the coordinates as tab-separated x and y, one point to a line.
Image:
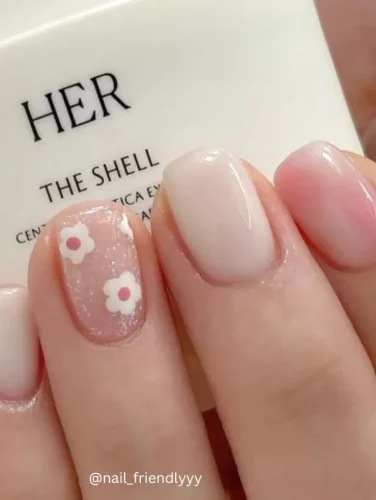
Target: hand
284	327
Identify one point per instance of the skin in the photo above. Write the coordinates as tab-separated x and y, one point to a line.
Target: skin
290	371
287	428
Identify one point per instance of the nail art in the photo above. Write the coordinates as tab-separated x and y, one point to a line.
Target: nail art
101	273
75	243
123	294
220	216
125	228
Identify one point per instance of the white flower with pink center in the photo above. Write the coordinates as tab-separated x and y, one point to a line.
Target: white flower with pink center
125	228
123	294
75	243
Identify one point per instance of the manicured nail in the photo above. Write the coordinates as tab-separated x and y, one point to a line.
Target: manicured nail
19	346
219	215
101	273
331	201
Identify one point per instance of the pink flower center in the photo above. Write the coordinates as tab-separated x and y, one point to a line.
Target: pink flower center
73	243
124	293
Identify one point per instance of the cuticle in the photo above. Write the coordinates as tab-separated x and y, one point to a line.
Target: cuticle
24	404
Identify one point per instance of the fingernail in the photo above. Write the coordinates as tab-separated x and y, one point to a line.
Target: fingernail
219	215
19	346
101	273
332	202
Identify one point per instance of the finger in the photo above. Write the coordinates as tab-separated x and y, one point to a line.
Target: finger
366	166
335	206
290	378
34	462
113	359
352	44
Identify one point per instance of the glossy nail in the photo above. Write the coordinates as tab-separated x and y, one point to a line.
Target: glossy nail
19	346
332	202
101	273
219	215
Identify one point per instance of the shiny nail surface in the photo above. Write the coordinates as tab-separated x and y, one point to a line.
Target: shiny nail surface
101	273
332	202
19	346
219	215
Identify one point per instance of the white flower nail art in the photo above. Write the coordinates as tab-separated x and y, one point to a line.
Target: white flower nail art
125	228
75	243
123	294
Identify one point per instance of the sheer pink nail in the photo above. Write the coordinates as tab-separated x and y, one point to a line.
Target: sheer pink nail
332	202
101	273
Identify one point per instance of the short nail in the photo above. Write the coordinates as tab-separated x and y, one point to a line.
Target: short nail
332	202
19	346
101	273
219	215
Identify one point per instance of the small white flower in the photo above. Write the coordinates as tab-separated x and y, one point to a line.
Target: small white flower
125	227
75	243
123	294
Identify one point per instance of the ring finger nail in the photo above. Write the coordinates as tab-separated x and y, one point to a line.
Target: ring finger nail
101	273
332	202
219	215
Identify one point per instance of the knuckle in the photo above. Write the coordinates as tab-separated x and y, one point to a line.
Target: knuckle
120	442
320	388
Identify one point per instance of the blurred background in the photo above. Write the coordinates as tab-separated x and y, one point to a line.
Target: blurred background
350	28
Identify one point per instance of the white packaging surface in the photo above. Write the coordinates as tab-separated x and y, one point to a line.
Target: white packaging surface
94	106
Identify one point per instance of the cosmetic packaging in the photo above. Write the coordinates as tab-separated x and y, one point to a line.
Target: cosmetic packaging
95	104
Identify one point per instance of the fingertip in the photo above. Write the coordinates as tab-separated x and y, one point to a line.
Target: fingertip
332	202
366	166
19	346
